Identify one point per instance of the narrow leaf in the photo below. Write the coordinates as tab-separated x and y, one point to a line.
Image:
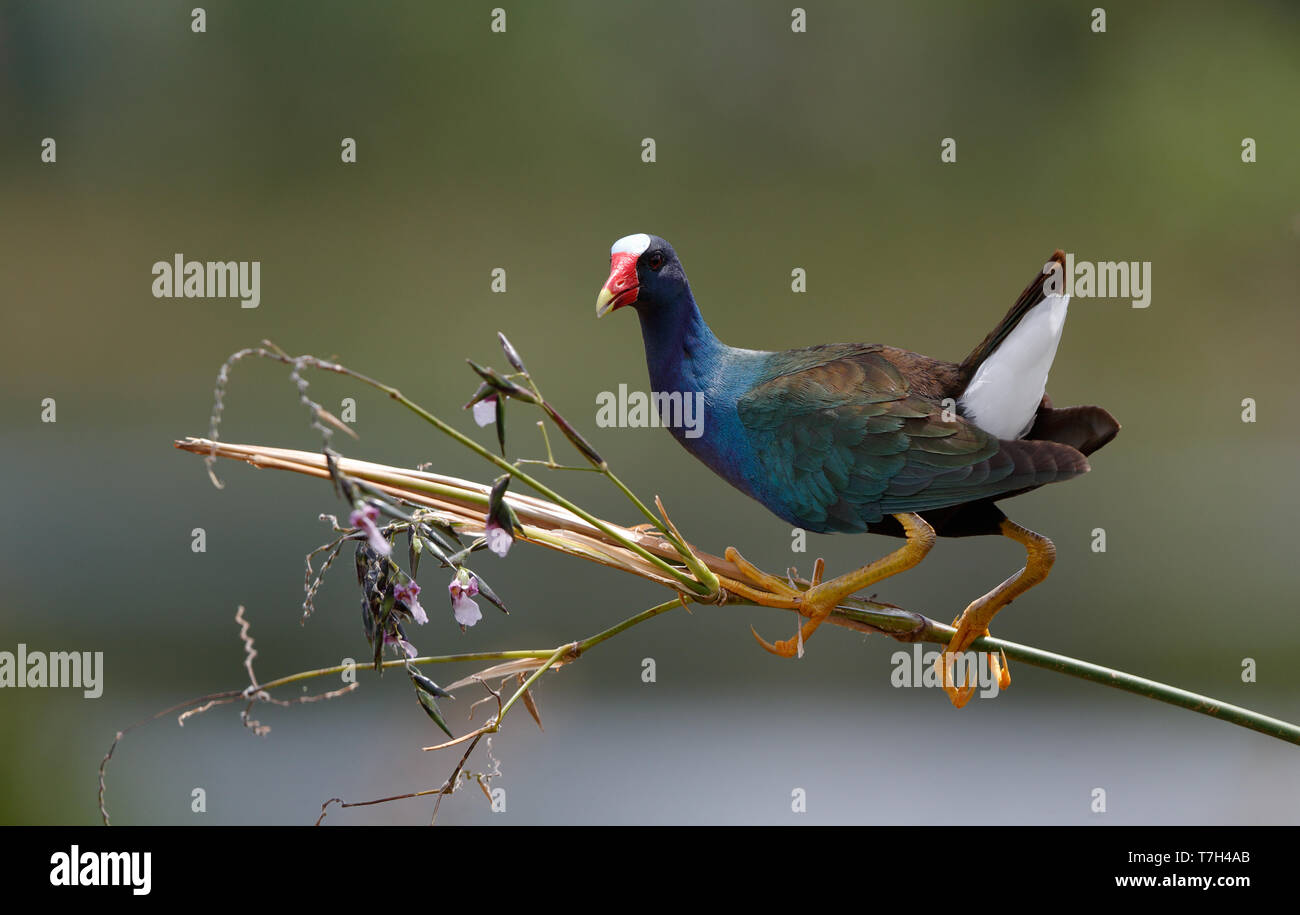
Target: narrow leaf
431	709
488	593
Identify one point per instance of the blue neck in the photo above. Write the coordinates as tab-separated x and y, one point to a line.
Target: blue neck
682	354
681	351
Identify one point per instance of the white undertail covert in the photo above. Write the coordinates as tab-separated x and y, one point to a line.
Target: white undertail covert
1003	396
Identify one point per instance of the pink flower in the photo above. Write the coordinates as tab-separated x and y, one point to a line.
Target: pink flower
485	411
365	518
409	594
462	588
498	538
391	639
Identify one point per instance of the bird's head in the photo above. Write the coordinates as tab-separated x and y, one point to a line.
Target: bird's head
644	271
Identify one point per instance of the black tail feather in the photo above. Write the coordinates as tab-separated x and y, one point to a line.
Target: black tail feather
1083	428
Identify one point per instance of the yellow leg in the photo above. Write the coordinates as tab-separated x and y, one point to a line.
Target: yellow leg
974	621
822	597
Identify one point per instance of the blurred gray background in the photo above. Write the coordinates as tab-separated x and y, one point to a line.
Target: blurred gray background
522	150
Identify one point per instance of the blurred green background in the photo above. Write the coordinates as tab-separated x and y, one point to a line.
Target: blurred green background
522	150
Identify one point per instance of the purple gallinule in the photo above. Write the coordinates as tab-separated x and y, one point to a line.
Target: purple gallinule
851	437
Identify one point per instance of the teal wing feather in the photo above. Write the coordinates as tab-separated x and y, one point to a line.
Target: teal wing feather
842	440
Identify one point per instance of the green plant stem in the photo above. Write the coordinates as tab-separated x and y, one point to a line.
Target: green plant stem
580	647
339	669
1141	686
909	626
574	648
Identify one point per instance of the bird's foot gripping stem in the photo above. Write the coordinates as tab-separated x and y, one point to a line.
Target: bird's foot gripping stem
821	597
974	620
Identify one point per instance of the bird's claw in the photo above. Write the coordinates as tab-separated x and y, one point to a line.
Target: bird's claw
813	606
961	641
786	648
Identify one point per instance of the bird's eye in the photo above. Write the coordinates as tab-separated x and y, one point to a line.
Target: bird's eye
655	261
